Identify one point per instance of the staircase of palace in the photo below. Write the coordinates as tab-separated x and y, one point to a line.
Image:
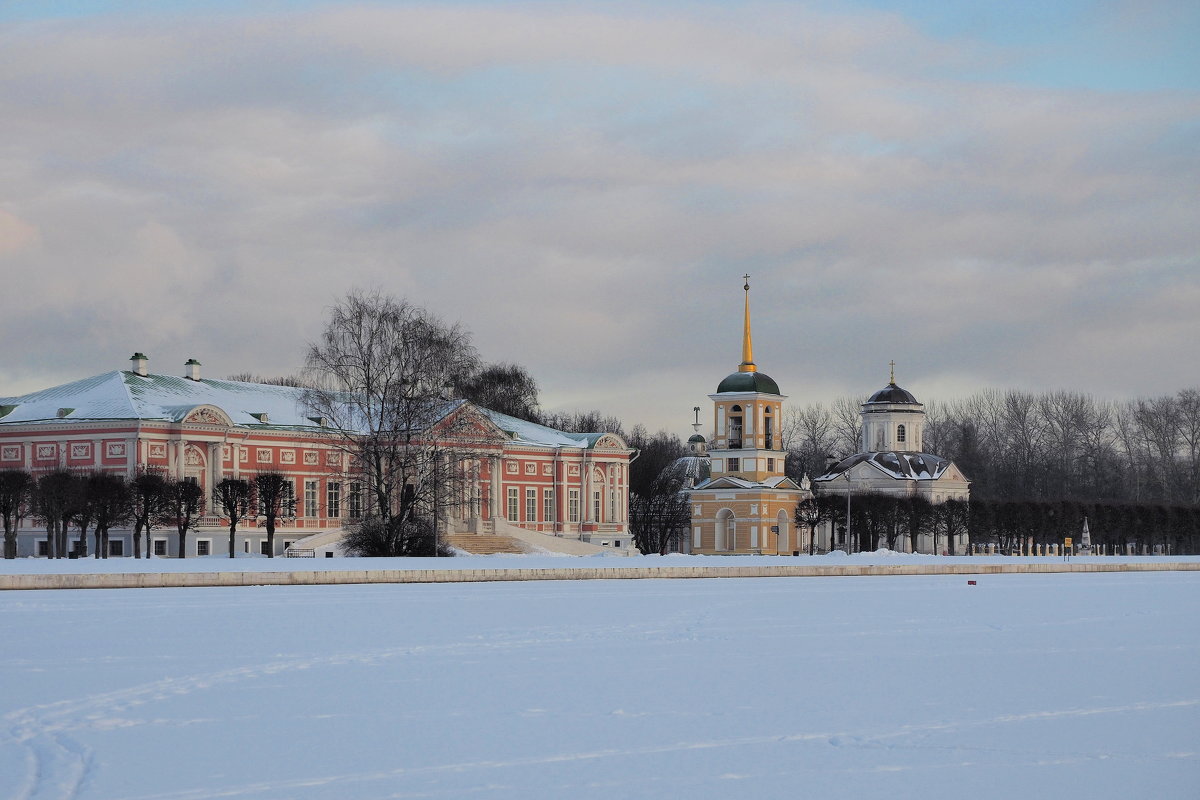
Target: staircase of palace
483	544
499	533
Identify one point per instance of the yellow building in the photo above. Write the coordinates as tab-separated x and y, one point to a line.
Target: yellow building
748	505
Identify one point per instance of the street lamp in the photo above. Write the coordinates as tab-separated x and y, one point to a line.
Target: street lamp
846	474
830	463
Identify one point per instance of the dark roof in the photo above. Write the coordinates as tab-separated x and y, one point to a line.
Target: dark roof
916	466
695	437
892	394
748	382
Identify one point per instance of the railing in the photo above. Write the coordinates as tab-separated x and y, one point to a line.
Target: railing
299	552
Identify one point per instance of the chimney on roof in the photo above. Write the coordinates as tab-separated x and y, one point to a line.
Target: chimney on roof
193	369
139	363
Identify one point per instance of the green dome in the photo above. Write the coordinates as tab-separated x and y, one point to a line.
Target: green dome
748	382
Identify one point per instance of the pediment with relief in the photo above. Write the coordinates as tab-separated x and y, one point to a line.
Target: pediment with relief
207	415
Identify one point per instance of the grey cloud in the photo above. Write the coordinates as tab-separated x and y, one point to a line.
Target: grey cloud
584	190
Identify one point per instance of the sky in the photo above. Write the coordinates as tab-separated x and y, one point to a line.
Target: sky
994	195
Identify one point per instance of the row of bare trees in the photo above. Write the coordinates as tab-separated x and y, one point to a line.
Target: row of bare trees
1022	446
1014	525
99	501
881	520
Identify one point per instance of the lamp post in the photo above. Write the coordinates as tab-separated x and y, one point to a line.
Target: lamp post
846	474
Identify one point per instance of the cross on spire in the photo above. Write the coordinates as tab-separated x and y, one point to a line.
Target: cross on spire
892	379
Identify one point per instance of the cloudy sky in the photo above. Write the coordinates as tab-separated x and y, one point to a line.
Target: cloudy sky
994	195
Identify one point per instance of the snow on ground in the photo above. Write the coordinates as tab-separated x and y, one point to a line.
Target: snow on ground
218	563
1067	685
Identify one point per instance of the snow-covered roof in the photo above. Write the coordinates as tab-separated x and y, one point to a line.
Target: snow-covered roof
736	482
527	432
901	466
693	469
124	395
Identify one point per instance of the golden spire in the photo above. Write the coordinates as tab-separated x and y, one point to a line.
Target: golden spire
747	364
892	378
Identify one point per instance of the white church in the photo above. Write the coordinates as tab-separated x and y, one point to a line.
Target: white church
892	460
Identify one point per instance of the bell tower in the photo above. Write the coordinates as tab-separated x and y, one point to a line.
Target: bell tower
747	408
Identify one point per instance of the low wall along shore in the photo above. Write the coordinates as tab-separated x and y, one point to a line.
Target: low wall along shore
157	580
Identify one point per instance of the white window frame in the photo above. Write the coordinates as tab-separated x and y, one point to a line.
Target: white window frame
333	499
530	505
573	504
547	505
311	488
514	503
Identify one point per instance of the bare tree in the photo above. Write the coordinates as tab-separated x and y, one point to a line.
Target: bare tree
83	513
659	508
151	506
111	499
276	500
507	388
16	487
187	504
54	503
954	517
812	437
584	422
235	497
381	370
813	511
847	425
296	381
1188	403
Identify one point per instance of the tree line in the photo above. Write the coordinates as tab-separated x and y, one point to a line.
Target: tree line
1021	446
882	520
99	501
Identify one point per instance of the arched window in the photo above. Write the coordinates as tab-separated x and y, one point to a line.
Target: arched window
899	433
735	428
768	429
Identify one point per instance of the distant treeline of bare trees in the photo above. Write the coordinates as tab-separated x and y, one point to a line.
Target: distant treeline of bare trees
1053	446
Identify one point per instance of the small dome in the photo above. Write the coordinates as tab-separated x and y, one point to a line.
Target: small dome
748	382
691	469
893	394
696	439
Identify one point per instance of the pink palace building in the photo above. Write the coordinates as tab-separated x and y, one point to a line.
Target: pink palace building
533	483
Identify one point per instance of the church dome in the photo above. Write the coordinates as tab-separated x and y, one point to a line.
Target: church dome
691	469
697	439
749	382
893	394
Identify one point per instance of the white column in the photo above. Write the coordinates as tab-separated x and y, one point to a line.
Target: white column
215	467
494	498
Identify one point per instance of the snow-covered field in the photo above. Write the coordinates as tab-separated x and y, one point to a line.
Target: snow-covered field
1078	685
532	561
